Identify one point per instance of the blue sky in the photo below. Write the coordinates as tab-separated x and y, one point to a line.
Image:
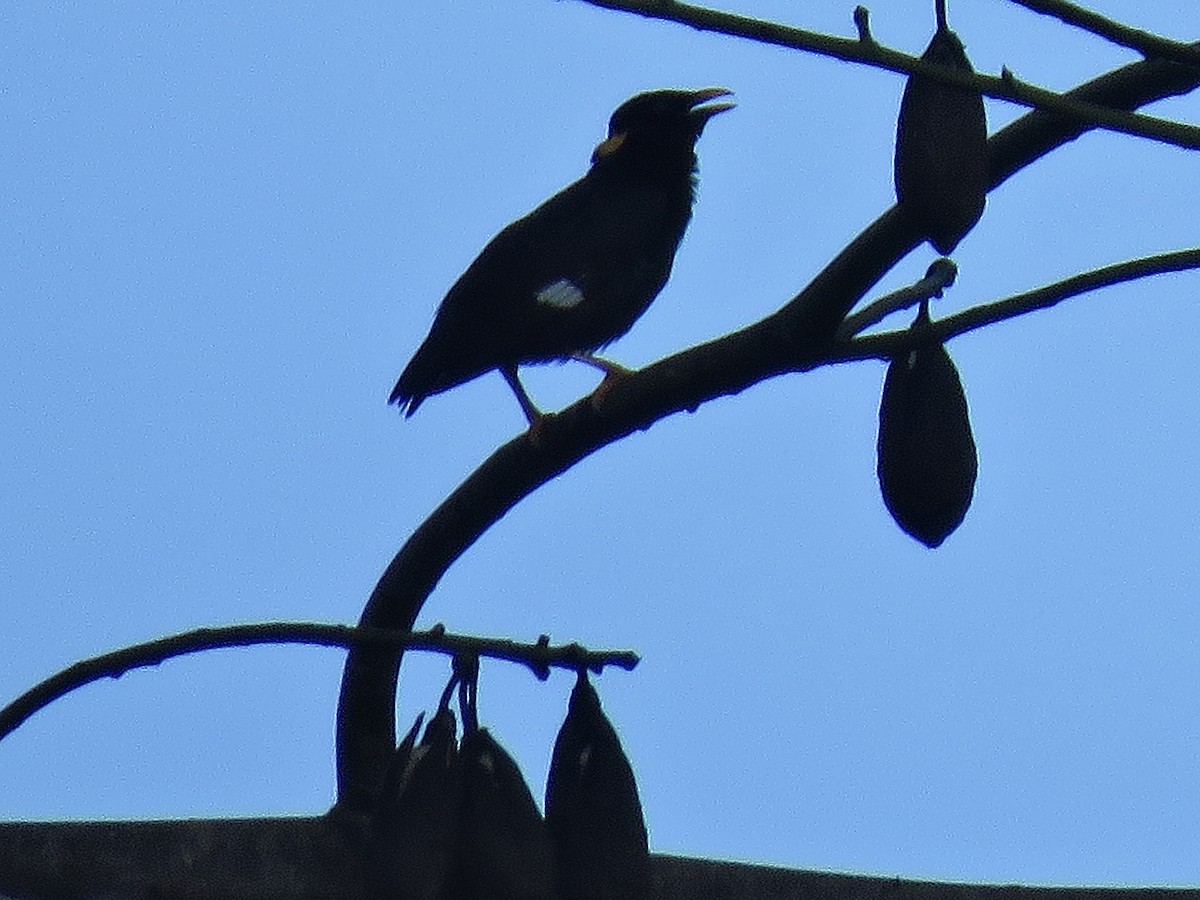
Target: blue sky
225	229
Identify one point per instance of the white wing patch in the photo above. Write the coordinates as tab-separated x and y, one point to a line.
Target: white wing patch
561	294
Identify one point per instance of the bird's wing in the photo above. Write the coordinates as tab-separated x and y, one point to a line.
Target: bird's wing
589	234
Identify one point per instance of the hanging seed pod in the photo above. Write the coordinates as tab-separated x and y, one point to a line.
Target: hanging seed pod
417	824
504	850
941	148
398	768
592	808
927	462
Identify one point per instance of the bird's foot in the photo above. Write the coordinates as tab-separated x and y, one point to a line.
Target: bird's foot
533	415
604	387
613	373
537	425
607	366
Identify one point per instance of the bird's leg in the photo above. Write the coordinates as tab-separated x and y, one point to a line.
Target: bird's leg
607	366
532	413
612	372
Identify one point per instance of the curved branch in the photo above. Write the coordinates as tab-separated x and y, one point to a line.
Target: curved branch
1005	87
799	336
888	345
539	657
1144	42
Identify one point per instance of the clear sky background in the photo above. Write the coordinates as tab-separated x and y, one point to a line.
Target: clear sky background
225	229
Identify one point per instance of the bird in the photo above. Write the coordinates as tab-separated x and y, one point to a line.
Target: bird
576	273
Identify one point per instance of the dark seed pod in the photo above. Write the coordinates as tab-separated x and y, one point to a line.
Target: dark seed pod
941	149
398	768
927	462
504	850
592	808
417	824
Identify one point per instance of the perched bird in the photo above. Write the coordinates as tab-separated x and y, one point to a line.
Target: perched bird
575	273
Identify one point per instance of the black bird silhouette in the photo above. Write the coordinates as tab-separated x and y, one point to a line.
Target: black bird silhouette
578	271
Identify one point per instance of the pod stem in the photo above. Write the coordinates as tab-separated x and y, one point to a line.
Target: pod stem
940	8
922	321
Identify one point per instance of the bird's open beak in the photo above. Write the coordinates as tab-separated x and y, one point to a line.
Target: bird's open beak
704	113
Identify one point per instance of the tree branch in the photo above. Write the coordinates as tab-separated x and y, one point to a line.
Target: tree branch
888	345
939	276
539	657
1143	42
1005	87
797	337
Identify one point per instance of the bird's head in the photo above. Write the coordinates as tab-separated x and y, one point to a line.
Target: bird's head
660	124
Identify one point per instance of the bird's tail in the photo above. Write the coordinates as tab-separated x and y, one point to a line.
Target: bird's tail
437	367
406	395
427	373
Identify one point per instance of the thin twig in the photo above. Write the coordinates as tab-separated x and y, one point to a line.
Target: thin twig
539	657
1144	42
862	24
875	54
939	276
886	346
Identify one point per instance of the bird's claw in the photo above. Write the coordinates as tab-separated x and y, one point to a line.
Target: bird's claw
537	425
611	378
